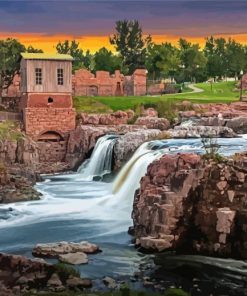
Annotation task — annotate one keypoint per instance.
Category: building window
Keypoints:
(38, 75)
(60, 76)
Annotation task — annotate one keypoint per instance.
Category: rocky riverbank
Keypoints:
(190, 204)
(20, 275)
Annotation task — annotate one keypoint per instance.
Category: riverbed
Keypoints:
(76, 208)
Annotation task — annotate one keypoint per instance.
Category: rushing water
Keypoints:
(74, 208)
(100, 162)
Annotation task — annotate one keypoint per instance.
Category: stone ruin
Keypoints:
(85, 83)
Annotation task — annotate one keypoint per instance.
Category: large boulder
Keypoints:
(127, 144)
(115, 118)
(153, 122)
(74, 258)
(238, 124)
(190, 204)
(16, 184)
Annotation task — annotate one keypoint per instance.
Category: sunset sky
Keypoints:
(44, 23)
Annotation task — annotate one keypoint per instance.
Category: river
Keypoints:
(76, 208)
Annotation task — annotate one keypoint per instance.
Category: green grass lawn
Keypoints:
(222, 92)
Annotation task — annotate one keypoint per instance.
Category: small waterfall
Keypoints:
(100, 162)
(128, 179)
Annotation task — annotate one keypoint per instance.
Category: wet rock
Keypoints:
(19, 275)
(127, 144)
(109, 282)
(83, 139)
(201, 132)
(74, 258)
(74, 282)
(54, 283)
(53, 250)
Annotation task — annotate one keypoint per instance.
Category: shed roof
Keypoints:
(44, 56)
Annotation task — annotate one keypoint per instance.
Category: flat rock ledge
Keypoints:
(74, 258)
(53, 250)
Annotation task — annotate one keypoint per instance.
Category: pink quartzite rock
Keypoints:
(153, 122)
(187, 203)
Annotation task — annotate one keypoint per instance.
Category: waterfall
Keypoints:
(100, 162)
(128, 179)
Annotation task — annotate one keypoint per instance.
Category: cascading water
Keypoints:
(100, 162)
(74, 209)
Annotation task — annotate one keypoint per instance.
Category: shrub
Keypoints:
(64, 271)
(211, 148)
(9, 131)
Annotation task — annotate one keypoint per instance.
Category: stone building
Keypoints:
(46, 102)
(102, 83)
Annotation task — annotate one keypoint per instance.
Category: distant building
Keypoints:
(102, 83)
(46, 100)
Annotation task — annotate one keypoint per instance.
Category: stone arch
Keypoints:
(50, 136)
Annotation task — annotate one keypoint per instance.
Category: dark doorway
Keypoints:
(92, 91)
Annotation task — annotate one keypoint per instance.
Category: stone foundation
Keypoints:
(42, 120)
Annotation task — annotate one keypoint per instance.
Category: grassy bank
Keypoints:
(222, 92)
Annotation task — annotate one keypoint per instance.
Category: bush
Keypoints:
(211, 148)
(9, 131)
(64, 271)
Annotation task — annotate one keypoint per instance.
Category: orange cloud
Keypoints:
(47, 42)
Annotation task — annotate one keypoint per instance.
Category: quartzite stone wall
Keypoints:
(41, 120)
(103, 84)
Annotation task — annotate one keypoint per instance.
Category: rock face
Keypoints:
(191, 205)
(53, 250)
(127, 144)
(16, 184)
(83, 139)
(226, 111)
(201, 132)
(18, 275)
(153, 122)
(116, 118)
(232, 115)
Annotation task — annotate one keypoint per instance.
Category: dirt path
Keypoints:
(195, 89)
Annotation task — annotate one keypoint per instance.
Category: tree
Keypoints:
(153, 56)
(235, 57)
(72, 48)
(105, 60)
(31, 49)
(169, 60)
(10, 56)
(193, 60)
(215, 51)
(129, 42)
